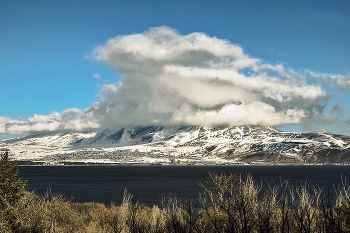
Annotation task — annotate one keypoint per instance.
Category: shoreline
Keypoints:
(31, 163)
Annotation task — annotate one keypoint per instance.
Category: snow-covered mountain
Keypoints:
(188, 145)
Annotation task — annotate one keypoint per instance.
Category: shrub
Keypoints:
(231, 202)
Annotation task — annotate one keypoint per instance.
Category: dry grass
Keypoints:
(231, 203)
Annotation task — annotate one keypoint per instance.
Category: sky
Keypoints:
(80, 65)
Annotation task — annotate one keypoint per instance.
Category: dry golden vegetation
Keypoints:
(230, 203)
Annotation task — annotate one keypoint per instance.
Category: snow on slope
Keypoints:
(187, 143)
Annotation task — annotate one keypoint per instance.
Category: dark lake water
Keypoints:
(149, 184)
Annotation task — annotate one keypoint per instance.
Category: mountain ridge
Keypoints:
(185, 144)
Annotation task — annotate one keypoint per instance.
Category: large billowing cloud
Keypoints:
(198, 80)
(174, 79)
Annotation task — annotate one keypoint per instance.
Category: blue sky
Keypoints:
(45, 46)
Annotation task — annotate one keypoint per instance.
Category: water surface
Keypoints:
(149, 184)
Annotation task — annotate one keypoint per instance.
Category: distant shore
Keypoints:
(79, 163)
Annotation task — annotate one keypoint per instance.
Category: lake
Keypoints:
(149, 184)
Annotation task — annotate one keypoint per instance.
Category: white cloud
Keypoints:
(255, 113)
(174, 79)
(195, 79)
(97, 75)
(69, 119)
(108, 91)
(327, 119)
(338, 110)
(340, 81)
